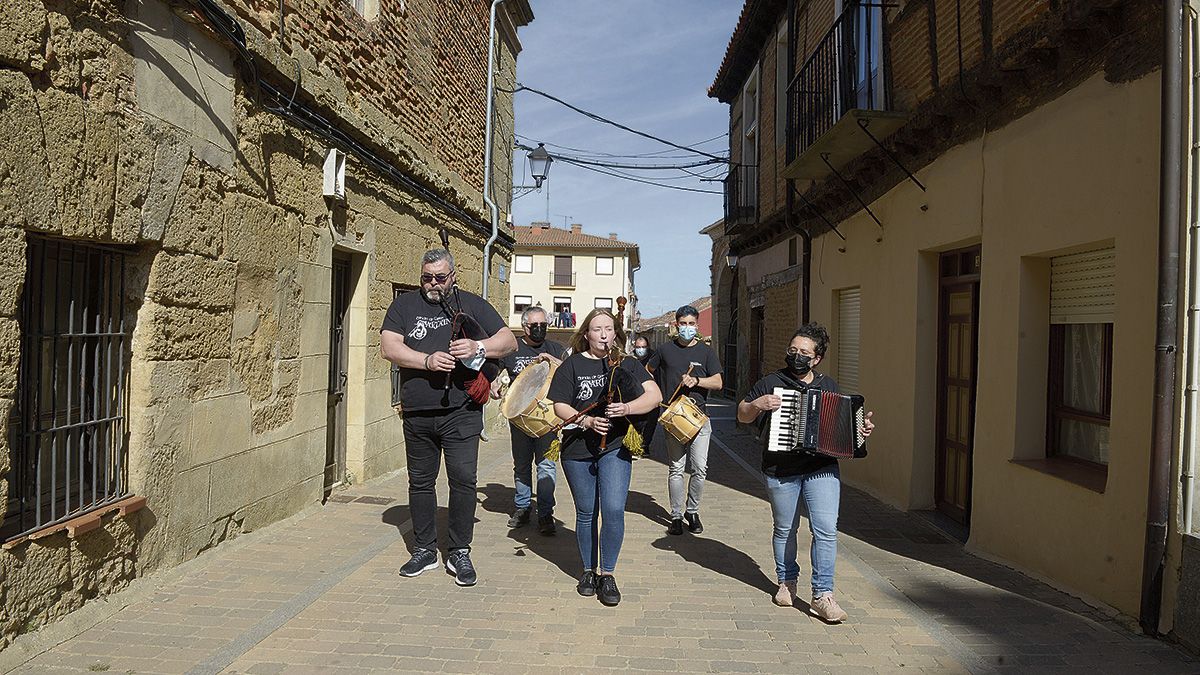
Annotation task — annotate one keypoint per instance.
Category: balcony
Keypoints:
(562, 280)
(741, 196)
(839, 102)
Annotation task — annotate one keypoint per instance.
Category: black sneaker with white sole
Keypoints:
(459, 564)
(422, 560)
(607, 590)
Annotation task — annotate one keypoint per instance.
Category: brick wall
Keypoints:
(782, 322)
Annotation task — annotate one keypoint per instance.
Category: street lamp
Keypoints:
(731, 259)
(539, 164)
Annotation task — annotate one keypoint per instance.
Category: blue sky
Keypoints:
(646, 65)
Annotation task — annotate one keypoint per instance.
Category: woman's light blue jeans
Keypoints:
(600, 488)
(820, 494)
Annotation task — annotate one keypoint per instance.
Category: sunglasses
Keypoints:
(542, 324)
(441, 278)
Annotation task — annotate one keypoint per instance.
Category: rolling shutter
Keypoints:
(1083, 287)
(849, 311)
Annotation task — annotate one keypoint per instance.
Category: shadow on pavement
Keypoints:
(560, 549)
(718, 557)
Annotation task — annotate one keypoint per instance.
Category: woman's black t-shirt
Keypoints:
(780, 464)
(579, 382)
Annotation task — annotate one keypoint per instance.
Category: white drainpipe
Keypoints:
(487, 152)
(1191, 405)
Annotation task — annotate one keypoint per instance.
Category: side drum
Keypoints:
(683, 419)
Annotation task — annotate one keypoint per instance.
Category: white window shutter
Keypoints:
(848, 338)
(1083, 287)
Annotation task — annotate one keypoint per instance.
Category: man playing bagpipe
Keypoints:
(446, 342)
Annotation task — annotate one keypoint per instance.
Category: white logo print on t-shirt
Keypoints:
(424, 325)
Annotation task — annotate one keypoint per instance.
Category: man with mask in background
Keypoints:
(671, 365)
(642, 351)
(526, 451)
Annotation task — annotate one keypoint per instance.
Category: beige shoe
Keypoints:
(825, 607)
(786, 595)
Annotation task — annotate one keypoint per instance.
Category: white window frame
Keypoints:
(597, 304)
(518, 300)
(611, 266)
(518, 268)
(750, 105)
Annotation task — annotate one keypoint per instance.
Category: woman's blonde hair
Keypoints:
(579, 341)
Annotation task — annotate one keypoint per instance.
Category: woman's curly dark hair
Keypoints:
(817, 333)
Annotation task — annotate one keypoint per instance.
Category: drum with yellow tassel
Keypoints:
(526, 405)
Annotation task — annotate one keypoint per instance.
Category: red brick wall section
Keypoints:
(948, 37)
(1009, 16)
(909, 42)
(425, 64)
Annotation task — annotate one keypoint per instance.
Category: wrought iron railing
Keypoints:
(741, 195)
(844, 72)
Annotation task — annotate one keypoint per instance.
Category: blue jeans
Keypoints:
(600, 487)
(820, 493)
(525, 452)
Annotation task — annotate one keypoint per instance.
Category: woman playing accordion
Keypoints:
(800, 478)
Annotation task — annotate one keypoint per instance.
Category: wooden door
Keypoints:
(958, 339)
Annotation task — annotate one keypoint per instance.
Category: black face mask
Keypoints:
(799, 363)
(537, 333)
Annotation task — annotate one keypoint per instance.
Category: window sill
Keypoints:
(92, 520)
(1084, 475)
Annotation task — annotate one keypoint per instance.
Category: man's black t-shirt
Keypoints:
(426, 328)
(780, 464)
(580, 381)
(671, 362)
(514, 363)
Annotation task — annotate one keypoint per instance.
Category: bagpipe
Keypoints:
(463, 325)
(620, 387)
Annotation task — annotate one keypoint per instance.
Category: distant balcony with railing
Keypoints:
(562, 280)
(741, 196)
(838, 103)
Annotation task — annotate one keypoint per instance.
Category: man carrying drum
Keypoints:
(526, 451)
(689, 368)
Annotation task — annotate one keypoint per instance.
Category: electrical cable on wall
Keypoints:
(283, 104)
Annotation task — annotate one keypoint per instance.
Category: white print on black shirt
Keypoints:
(425, 324)
(588, 384)
(523, 361)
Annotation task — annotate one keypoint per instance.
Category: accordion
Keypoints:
(818, 422)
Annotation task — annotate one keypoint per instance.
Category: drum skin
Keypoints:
(683, 419)
(526, 406)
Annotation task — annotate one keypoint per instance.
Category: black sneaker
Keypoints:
(459, 564)
(607, 590)
(546, 525)
(693, 521)
(676, 526)
(520, 518)
(587, 584)
(422, 559)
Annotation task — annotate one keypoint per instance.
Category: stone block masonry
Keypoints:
(215, 205)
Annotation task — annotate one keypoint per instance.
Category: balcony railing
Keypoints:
(844, 73)
(741, 195)
(562, 280)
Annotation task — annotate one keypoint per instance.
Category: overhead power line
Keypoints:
(658, 154)
(639, 180)
(605, 120)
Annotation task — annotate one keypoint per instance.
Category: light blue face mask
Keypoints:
(687, 333)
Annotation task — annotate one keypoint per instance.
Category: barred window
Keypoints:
(68, 428)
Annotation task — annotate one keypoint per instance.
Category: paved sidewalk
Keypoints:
(320, 594)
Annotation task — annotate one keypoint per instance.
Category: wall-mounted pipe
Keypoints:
(487, 150)
(1170, 198)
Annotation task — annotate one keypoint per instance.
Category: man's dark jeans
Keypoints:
(427, 434)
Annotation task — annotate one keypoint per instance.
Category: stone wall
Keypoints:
(105, 137)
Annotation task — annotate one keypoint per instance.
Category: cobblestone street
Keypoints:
(320, 593)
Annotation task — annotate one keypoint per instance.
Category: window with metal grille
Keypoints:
(68, 428)
(397, 289)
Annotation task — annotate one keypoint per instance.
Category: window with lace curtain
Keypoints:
(1081, 348)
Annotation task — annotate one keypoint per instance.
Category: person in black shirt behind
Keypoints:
(641, 350)
(797, 477)
(439, 416)
(671, 365)
(533, 346)
(599, 476)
